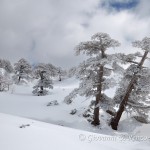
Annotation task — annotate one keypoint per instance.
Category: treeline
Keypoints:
(22, 72)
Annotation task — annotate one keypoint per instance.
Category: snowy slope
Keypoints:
(19, 101)
(36, 135)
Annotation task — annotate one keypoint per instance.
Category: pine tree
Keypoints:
(61, 73)
(134, 88)
(42, 73)
(53, 71)
(56, 71)
(71, 72)
(5, 80)
(5, 64)
(22, 70)
(95, 72)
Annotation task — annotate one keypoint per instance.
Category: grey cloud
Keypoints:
(143, 9)
(48, 30)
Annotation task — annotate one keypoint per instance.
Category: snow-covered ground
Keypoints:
(25, 134)
(19, 101)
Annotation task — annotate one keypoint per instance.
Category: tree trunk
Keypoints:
(42, 78)
(96, 120)
(19, 79)
(41, 89)
(114, 122)
(0, 87)
(59, 77)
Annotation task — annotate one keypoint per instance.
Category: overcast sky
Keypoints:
(48, 30)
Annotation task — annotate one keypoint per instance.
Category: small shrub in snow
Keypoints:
(141, 119)
(53, 103)
(39, 92)
(74, 111)
(24, 125)
(67, 100)
(88, 113)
